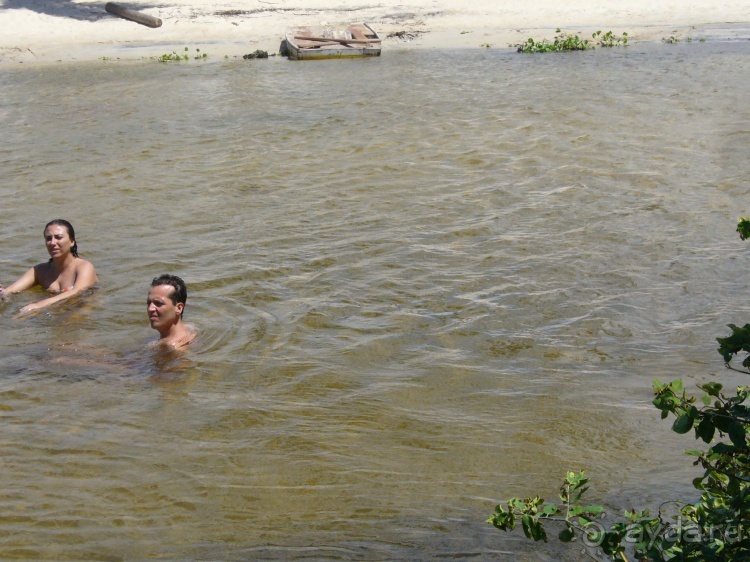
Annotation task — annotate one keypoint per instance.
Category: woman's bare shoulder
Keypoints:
(82, 264)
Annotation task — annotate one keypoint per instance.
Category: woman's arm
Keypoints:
(85, 278)
(26, 281)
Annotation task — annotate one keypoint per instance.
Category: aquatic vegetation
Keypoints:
(257, 54)
(566, 42)
(743, 227)
(173, 56)
(609, 39)
(486, 45)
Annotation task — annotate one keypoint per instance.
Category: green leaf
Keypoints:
(737, 433)
(721, 423)
(705, 429)
(711, 388)
(526, 522)
(550, 509)
(533, 529)
(567, 534)
(683, 424)
(743, 227)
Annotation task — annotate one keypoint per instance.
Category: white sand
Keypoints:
(51, 30)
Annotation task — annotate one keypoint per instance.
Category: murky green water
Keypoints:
(423, 283)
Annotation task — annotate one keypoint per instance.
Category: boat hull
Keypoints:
(330, 42)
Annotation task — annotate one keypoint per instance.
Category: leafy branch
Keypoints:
(710, 529)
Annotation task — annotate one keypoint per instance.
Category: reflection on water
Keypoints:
(423, 283)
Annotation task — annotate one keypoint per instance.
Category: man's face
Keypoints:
(162, 312)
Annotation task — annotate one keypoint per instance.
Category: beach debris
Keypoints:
(257, 54)
(405, 35)
(132, 15)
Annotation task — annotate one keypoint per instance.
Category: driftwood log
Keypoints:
(132, 15)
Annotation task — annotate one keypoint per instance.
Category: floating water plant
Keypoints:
(173, 56)
(609, 39)
(567, 42)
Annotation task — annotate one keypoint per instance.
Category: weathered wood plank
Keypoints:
(132, 15)
(343, 41)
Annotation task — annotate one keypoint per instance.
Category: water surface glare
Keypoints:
(423, 283)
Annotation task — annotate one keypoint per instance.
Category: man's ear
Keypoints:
(179, 306)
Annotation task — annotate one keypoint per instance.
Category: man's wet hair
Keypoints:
(180, 290)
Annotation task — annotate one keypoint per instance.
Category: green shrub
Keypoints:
(716, 528)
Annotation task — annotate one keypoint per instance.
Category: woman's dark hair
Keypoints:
(180, 290)
(71, 233)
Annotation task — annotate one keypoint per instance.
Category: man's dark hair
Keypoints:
(180, 290)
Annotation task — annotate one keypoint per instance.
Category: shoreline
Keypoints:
(70, 31)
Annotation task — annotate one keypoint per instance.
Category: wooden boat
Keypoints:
(332, 42)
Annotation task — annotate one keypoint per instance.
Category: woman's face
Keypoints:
(58, 241)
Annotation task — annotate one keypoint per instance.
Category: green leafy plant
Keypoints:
(733, 344)
(739, 340)
(174, 57)
(711, 529)
(715, 528)
(609, 39)
(566, 42)
(743, 227)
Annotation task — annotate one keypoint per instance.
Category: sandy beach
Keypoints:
(70, 30)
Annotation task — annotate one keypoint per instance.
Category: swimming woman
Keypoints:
(63, 276)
